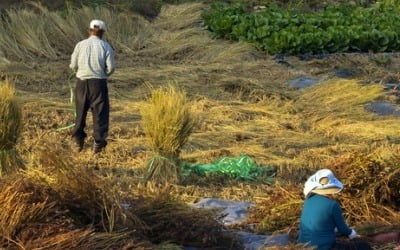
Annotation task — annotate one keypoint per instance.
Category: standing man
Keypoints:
(93, 61)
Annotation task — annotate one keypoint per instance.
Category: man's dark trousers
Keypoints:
(93, 94)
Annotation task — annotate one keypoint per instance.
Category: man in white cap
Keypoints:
(93, 61)
(322, 215)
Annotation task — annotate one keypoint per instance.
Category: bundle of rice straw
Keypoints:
(10, 127)
(372, 183)
(167, 122)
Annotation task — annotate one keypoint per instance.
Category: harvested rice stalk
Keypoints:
(33, 216)
(17, 210)
(89, 199)
(371, 194)
(172, 221)
(372, 184)
(280, 212)
(358, 211)
(167, 122)
(64, 214)
(10, 127)
(54, 237)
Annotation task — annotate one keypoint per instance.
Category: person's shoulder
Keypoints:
(107, 44)
(322, 198)
(82, 42)
(333, 204)
(85, 40)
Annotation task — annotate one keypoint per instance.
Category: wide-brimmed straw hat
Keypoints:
(323, 182)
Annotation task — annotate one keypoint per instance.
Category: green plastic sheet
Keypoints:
(241, 168)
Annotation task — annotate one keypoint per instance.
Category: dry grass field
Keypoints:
(244, 105)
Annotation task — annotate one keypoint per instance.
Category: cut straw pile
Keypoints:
(372, 184)
(10, 127)
(167, 122)
(55, 205)
(370, 195)
(36, 214)
(280, 212)
(171, 220)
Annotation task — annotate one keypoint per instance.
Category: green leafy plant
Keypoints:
(340, 28)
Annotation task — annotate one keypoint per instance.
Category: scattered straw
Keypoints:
(38, 32)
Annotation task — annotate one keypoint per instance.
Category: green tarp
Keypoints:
(241, 168)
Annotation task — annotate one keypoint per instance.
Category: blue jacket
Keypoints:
(318, 220)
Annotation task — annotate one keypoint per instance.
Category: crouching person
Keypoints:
(322, 215)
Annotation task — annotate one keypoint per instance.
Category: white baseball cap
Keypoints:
(330, 185)
(98, 24)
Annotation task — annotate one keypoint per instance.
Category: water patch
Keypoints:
(344, 73)
(255, 241)
(235, 212)
(383, 108)
(304, 82)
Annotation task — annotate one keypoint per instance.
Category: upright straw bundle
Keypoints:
(10, 127)
(167, 122)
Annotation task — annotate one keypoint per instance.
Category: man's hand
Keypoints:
(71, 74)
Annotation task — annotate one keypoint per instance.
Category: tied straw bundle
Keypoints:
(167, 122)
(10, 127)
